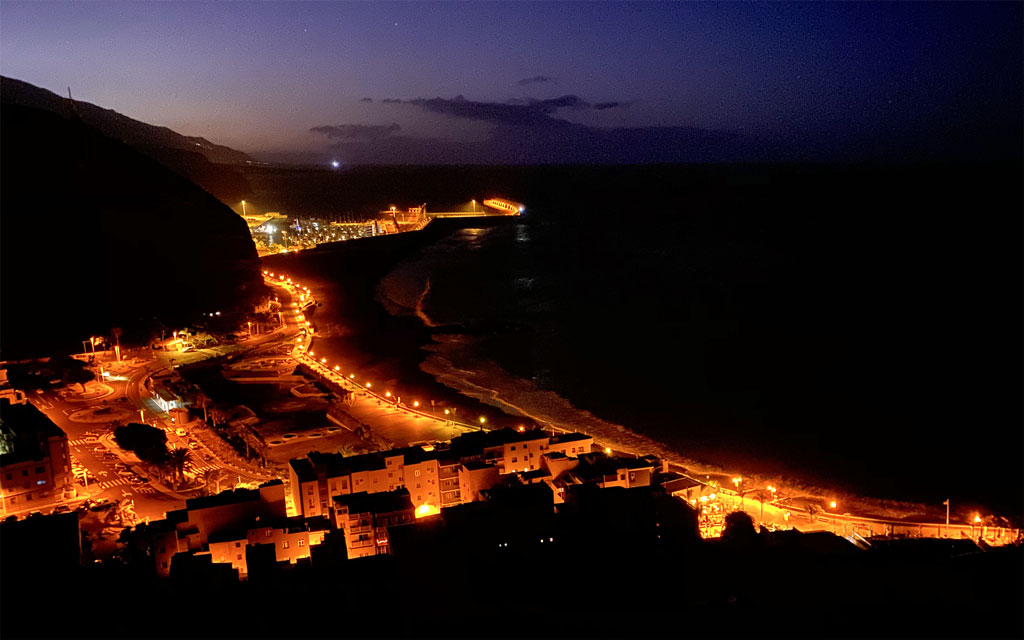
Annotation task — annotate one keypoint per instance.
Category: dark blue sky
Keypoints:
(290, 80)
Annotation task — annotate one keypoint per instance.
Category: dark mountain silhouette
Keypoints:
(198, 159)
(95, 234)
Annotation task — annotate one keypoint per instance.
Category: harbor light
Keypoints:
(977, 518)
(387, 394)
(608, 450)
(367, 385)
(352, 376)
(483, 420)
(446, 412)
(337, 367)
(323, 360)
(832, 504)
(415, 403)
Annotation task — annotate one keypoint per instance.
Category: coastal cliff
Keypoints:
(95, 234)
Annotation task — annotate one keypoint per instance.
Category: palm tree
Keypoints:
(203, 401)
(213, 478)
(347, 450)
(176, 459)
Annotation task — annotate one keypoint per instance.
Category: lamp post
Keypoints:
(243, 208)
(474, 206)
(947, 516)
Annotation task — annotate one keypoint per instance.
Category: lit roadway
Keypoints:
(403, 424)
(85, 418)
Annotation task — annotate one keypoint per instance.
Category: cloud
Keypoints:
(535, 80)
(601, 106)
(530, 113)
(366, 100)
(356, 132)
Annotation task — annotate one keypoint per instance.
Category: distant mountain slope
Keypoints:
(115, 125)
(198, 159)
(94, 234)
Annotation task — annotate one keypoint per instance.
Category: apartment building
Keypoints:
(35, 462)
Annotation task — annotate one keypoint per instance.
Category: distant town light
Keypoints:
(352, 376)
(446, 412)
(387, 394)
(415, 403)
(608, 450)
(482, 419)
(832, 504)
(337, 367)
(368, 385)
(335, 164)
(977, 518)
(324, 360)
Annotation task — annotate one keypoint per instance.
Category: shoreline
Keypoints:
(396, 350)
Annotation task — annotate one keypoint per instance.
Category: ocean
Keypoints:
(851, 328)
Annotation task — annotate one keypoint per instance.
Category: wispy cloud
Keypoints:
(525, 113)
(534, 80)
(356, 132)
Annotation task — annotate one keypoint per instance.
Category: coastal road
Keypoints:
(402, 425)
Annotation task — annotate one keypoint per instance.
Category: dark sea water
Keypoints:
(857, 328)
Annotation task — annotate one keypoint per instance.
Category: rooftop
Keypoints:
(381, 502)
(24, 431)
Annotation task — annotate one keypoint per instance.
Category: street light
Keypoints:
(243, 211)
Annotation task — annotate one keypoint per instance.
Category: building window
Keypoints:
(238, 556)
(10, 475)
(513, 447)
(238, 544)
(417, 485)
(39, 469)
(416, 473)
(268, 532)
(309, 490)
(24, 473)
(163, 565)
(515, 459)
(284, 545)
(302, 543)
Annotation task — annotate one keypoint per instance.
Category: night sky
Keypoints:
(453, 81)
